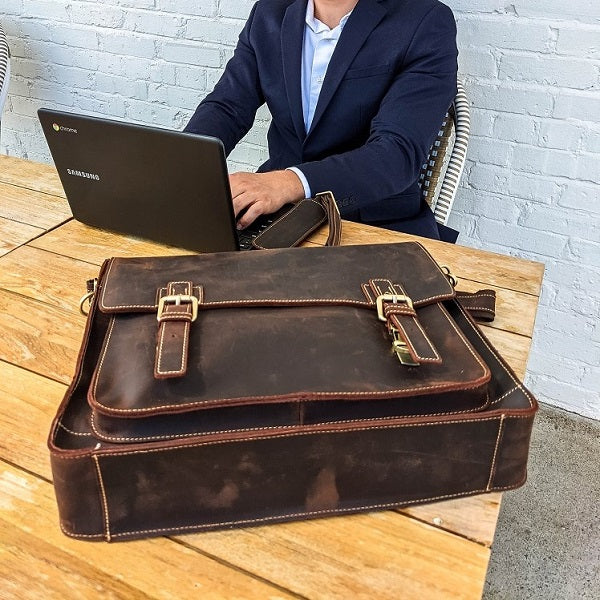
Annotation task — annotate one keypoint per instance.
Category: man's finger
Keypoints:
(254, 211)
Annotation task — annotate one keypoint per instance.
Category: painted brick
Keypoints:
(578, 10)
(580, 106)
(202, 8)
(482, 122)
(535, 188)
(76, 38)
(151, 22)
(226, 32)
(586, 251)
(239, 9)
(511, 98)
(515, 128)
(554, 219)
(562, 135)
(119, 43)
(546, 70)
(478, 62)
(544, 161)
(588, 168)
(579, 41)
(191, 54)
(503, 31)
(12, 7)
(591, 140)
(47, 9)
(491, 151)
(581, 196)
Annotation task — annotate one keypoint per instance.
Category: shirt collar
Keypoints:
(316, 25)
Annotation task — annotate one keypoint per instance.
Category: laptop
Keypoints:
(156, 184)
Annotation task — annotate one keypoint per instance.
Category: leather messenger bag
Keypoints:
(245, 388)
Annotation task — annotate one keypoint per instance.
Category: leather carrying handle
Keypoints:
(327, 201)
(300, 221)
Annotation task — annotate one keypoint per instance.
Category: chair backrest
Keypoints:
(4, 68)
(440, 175)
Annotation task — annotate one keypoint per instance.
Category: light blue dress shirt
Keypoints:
(318, 46)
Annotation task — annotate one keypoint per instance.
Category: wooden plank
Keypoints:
(474, 517)
(513, 348)
(157, 568)
(29, 402)
(38, 177)
(32, 208)
(33, 568)
(477, 265)
(13, 234)
(377, 555)
(515, 311)
(39, 337)
(81, 242)
(51, 278)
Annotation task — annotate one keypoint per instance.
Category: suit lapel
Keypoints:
(364, 18)
(292, 35)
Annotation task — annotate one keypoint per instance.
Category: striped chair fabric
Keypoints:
(440, 175)
(4, 68)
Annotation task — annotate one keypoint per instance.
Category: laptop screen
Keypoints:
(161, 185)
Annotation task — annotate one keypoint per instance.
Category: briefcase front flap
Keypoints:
(350, 323)
(336, 275)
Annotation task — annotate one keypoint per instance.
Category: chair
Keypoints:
(440, 175)
(4, 69)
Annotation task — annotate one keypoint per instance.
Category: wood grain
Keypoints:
(32, 208)
(85, 243)
(474, 517)
(50, 278)
(35, 176)
(29, 402)
(514, 349)
(13, 234)
(39, 337)
(477, 265)
(377, 555)
(157, 568)
(515, 311)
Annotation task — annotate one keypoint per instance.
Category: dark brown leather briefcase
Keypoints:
(245, 388)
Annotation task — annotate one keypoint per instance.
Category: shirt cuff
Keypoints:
(303, 180)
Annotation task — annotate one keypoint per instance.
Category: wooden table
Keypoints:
(439, 550)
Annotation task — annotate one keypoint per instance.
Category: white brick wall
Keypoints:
(532, 183)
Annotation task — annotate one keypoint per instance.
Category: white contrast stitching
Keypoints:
(73, 432)
(103, 500)
(493, 465)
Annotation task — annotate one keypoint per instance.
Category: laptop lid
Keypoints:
(161, 185)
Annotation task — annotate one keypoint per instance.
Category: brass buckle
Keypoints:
(401, 349)
(177, 300)
(395, 299)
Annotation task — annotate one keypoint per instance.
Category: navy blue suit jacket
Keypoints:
(390, 81)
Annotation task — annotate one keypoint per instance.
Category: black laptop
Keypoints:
(157, 184)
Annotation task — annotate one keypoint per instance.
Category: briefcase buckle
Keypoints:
(177, 299)
(395, 299)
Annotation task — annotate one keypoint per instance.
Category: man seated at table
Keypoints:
(357, 90)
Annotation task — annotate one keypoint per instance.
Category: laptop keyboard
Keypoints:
(246, 236)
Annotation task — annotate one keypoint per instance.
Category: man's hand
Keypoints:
(263, 193)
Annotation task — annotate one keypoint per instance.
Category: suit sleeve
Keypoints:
(405, 125)
(228, 112)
